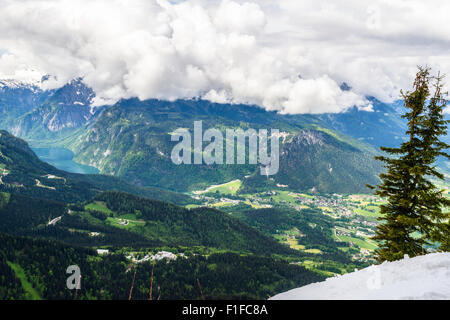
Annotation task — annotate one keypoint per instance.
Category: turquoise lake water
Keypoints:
(62, 159)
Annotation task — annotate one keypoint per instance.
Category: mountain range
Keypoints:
(131, 139)
(296, 227)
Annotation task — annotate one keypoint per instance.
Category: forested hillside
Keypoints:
(132, 139)
(22, 172)
(43, 267)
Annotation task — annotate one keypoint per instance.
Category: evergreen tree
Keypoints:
(444, 234)
(435, 126)
(413, 215)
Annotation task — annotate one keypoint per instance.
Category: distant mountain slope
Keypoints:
(17, 98)
(317, 161)
(419, 278)
(63, 111)
(384, 126)
(132, 140)
(381, 127)
(22, 172)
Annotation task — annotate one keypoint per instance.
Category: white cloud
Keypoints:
(229, 51)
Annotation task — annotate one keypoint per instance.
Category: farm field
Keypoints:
(354, 215)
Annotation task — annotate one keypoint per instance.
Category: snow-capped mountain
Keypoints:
(68, 107)
(15, 84)
(18, 97)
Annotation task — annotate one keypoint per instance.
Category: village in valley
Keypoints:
(354, 215)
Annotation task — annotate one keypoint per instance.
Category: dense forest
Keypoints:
(200, 226)
(222, 276)
(159, 223)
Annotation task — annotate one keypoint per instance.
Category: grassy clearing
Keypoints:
(293, 243)
(125, 223)
(364, 244)
(284, 196)
(308, 264)
(289, 237)
(98, 206)
(367, 213)
(314, 251)
(26, 285)
(253, 205)
(227, 188)
(192, 206)
(128, 216)
(312, 265)
(222, 204)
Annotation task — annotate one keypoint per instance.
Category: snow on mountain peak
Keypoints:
(15, 84)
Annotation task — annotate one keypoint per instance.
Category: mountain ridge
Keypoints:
(24, 173)
(130, 138)
(134, 137)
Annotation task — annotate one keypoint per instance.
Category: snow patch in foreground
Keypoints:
(422, 277)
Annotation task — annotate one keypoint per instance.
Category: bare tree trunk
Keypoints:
(200, 287)
(132, 285)
(151, 284)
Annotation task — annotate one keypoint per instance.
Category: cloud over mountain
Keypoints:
(287, 55)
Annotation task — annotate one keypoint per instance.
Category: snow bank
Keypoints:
(423, 277)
